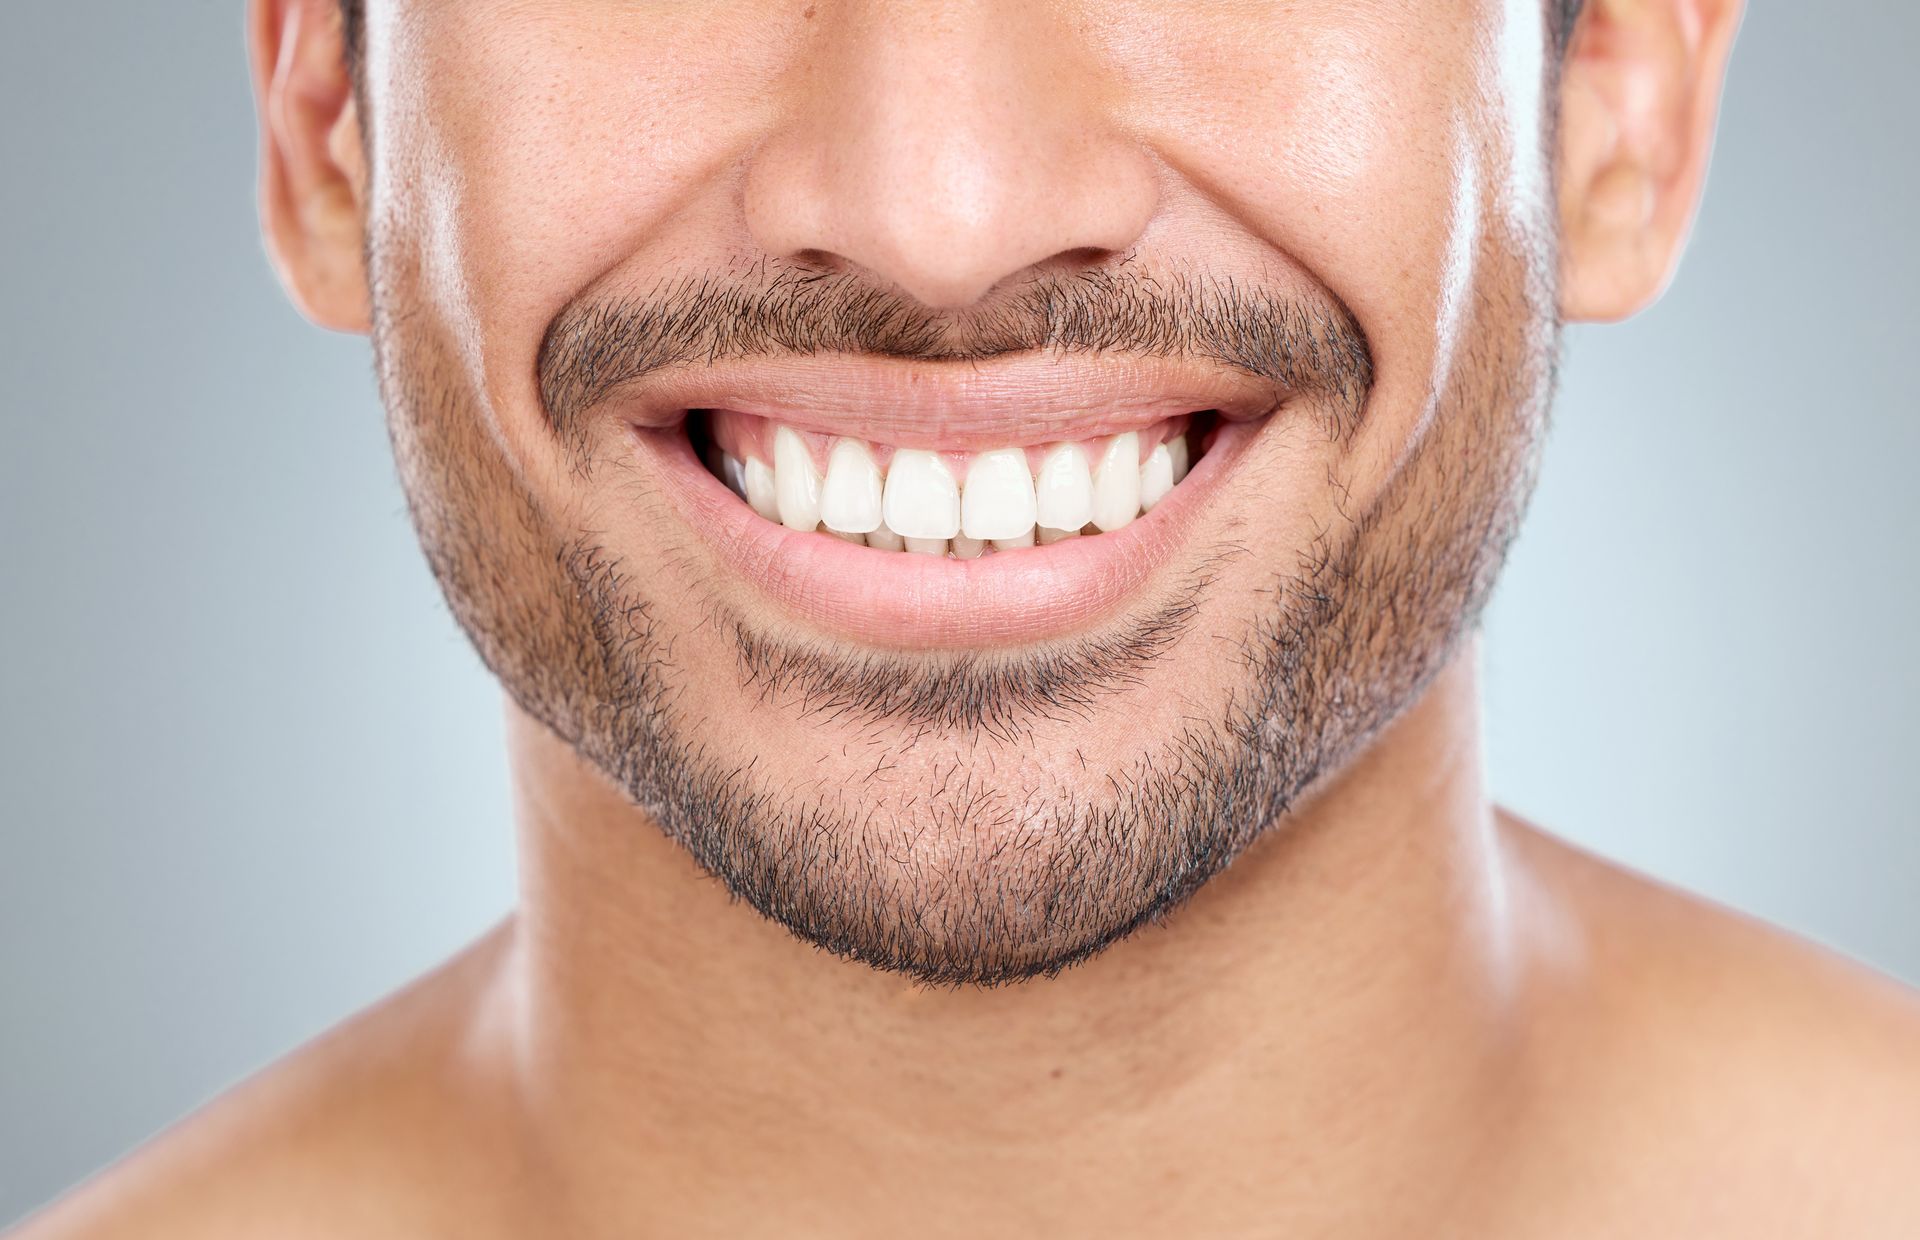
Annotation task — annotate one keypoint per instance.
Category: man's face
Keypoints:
(1309, 244)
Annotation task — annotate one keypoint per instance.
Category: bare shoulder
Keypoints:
(1747, 1081)
(333, 1140)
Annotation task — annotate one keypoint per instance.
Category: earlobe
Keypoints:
(1639, 98)
(312, 170)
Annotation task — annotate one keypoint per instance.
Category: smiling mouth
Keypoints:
(960, 504)
(896, 503)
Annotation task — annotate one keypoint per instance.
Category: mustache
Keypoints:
(599, 345)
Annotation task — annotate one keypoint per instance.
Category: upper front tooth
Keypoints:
(998, 501)
(1156, 477)
(796, 484)
(850, 497)
(921, 499)
(1063, 490)
(1116, 483)
(761, 491)
(1177, 449)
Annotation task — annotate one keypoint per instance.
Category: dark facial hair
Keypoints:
(1028, 880)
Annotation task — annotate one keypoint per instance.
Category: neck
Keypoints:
(1329, 1018)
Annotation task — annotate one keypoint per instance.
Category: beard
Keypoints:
(969, 865)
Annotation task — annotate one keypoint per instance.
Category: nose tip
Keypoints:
(948, 157)
(948, 225)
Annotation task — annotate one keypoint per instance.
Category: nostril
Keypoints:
(1079, 258)
(942, 194)
(826, 261)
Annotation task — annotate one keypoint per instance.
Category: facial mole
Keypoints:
(808, 14)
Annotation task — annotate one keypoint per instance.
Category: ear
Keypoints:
(1639, 96)
(313, 174)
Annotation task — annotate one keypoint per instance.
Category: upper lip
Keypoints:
(957, 405)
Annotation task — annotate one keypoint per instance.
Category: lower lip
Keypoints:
(908, 601)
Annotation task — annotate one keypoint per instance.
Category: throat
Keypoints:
(1333, 1014)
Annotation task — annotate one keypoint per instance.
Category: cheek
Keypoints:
(1362, 142)
(1332, 129)
(533, 148)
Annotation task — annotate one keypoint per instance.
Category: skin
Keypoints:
(1399, 1010)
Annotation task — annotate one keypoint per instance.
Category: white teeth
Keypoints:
(922, 500)
(734, 474)
(998, 501)
(796, 484)
(1156, 477)
(1116, 483)
(850, 497)
(1063, 490)
(761, 491)
(917, 505)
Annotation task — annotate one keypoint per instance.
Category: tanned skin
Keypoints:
(1195, 920)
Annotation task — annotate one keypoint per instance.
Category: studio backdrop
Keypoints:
(251, 775)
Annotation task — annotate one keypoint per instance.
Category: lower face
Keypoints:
(966, 655)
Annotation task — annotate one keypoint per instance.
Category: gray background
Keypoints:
(252, 775)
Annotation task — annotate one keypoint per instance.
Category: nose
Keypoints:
(946, 145)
